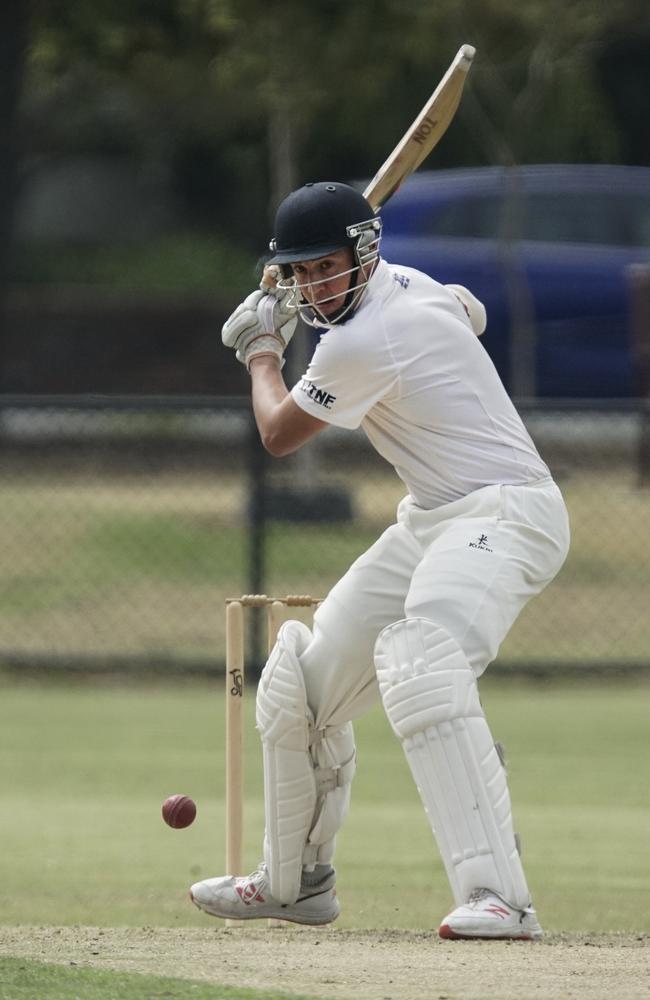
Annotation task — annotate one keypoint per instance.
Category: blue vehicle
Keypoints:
(548, 250)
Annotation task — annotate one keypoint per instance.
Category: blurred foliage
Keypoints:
(199, 88)
(186, 262)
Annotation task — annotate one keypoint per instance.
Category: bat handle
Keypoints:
(466, 53)
(270, 277)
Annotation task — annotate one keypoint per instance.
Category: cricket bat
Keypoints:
(426, 131)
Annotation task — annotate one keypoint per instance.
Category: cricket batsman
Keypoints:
(417, 618)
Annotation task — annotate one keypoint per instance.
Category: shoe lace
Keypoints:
(478, 894)
(259, 874)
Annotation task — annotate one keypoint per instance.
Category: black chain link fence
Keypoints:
(126, 522)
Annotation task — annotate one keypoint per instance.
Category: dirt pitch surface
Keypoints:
(356, 965)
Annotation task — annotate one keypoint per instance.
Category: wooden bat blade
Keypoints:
(425, 132)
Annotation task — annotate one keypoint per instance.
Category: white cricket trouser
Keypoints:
(469, 566)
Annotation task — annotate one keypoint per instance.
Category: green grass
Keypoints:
(85, 769)
(25, 980)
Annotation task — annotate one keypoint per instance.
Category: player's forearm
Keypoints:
(284, 427)
(279, 435)
(268, 390)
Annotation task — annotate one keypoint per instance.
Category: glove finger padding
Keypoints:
(242, 321)
(256, 342)
(286, 308)
(264, 323)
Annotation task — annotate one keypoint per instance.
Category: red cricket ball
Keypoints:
(178, 811)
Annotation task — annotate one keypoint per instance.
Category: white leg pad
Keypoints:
(307, 772)
(431, 698)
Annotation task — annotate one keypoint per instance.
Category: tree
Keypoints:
(623, 73)
(242, 99)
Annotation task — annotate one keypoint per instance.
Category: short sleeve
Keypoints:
(350, 371)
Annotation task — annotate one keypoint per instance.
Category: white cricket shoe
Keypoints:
(248, 898)
(486, 915)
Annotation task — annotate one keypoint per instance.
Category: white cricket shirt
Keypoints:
(409, 370)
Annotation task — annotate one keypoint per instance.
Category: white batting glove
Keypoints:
(264, 323)
(475, 310)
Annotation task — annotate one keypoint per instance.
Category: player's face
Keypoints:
(326, 281)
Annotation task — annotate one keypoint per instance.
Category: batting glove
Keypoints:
(264, 323)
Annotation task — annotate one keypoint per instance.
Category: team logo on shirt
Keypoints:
(401, 279)
(320, 396)
(481, 543)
